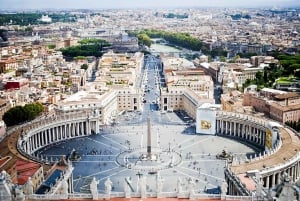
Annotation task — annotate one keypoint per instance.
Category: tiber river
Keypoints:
(156, 47)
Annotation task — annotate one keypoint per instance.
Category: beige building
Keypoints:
(129, 99)
(104, 103)
(232, 75)
(232, 102)
(186, 86)
(280, 107)
(26, 172)
(183, 98)
(113, 90)
(108, 103)
(8, 65)
(121, 69)
(258, 60)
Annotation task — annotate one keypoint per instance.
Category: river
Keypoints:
(156, 47)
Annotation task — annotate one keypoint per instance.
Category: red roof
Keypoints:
(250, 184)
(25, 169)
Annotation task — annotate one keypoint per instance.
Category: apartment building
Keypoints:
(280, 107)
(121, 69)
(258, 60)
(187, 87)
(28, 172)
(232, 101)
(8, 65)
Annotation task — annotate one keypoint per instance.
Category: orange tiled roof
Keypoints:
(25, 169)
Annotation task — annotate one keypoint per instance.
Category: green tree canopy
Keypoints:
(144, 39)
(84, 66)
(87, 47)
(21, 114)
(184, 40)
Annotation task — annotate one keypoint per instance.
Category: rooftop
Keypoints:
(289, 148)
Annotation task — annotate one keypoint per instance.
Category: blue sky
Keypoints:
(98, 4)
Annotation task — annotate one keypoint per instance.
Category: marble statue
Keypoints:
(108, 186)
(28, 187)
(64, 187)
(94, 189)
(259, 185)
(127, 181)
(142, 185)
(191, 187)
(179, 185)
(159, 186)
(224, 187)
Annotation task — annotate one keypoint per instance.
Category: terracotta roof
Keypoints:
(285, 108)
(250, 184)
(25, 170)
(287, 95)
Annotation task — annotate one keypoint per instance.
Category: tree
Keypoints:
(259, 77)
(222, 59)
(184, 40)
(144, 39)
(84, 66)
(21, 114)
(265, 75)
(51, 46)
(87, 47)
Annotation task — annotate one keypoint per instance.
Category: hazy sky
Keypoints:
(96, 4)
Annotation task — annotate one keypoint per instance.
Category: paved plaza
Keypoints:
(116, 152)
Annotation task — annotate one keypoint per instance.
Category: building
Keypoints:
(46, 19)
(8, 65)
(232, 101)
(28, 172)
(258, 60)
(121, 69)
(206, 118)
(186, 88)
(16, 84)
(281, 107)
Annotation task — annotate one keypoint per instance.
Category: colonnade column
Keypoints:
(273, 180)
(278, 177)
(267, 181)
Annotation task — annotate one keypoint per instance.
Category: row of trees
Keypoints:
(25, 19)
(290, 64)
(87, 47)
(178, 16)
(20, 114)
(184, 40)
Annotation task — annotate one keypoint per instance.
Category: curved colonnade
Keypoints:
(55, 129)
(283, 157)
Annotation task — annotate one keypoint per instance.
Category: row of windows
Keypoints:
(124, 92)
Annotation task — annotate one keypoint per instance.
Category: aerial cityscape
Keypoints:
(149, 100)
